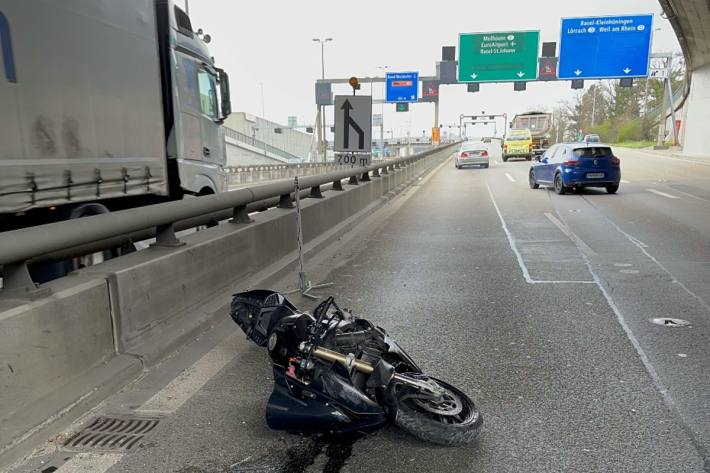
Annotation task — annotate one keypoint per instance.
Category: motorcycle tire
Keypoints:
(430, 427)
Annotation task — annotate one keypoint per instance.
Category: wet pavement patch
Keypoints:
(325, 454)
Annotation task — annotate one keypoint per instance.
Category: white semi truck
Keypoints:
(105, 105)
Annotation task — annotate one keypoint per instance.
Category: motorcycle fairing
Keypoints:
(328, 404)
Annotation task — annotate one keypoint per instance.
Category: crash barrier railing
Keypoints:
(250, 175)
(67, 239)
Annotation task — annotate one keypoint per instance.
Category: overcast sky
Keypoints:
(270, 42)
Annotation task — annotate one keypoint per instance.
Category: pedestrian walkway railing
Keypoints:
(261, 145)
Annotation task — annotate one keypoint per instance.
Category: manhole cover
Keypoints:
(112, 433)
(670, 322)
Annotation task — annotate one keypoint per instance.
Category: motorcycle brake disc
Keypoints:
(448, 405)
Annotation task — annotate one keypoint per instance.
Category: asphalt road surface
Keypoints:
(539, 306)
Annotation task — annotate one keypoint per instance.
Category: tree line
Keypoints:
(615, 113)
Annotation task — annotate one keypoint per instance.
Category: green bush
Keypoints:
(630, 130)
(605, 130)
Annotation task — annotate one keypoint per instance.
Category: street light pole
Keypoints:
(322, 122)
(382, 112)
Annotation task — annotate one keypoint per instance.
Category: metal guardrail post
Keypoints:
(285, 202)
(165, 236)
(385, 169)
(365, 176)
(353, 180)
(338, 185)
(17, 283)
(241, 215)
(315, 193)
(376, 172)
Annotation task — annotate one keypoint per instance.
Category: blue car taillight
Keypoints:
(571, 163)
(615, 162)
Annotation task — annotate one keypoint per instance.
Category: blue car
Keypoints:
(567, 166)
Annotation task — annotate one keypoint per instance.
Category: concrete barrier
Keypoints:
(46, 347)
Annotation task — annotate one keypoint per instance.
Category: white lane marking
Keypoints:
(179, 390)
(629, 334)
(563, 228)
(510, 178)
(518, 256)
(642, 246)
(624, 181)
(90, 463)
(662, 194)
(701, 199)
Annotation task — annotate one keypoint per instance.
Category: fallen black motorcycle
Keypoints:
(335, 373)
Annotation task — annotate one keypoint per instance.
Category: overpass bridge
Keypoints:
(690, 21)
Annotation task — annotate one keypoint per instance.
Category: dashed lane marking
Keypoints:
(662, 194)
(516, 252)
(510, 178)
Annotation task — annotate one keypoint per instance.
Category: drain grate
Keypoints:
(112, 433)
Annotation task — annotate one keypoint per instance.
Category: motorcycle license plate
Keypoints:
(595, 175)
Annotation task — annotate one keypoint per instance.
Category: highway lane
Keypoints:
(538, 305)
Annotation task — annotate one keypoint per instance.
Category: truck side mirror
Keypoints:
(225, 99)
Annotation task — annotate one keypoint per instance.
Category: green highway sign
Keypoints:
(498, 57)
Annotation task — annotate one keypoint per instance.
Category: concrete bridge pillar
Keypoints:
(696, 139)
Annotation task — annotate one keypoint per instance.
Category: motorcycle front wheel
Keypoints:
(454, 420)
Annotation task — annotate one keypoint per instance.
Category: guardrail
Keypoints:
(61, 240)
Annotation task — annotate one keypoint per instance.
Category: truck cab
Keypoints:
(200, 96)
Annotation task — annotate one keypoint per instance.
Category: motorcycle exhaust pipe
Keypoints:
(329, 355)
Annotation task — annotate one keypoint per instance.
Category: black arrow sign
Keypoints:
(349, 122)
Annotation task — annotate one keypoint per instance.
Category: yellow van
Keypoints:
(518, 144)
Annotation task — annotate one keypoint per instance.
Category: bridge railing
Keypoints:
(67, 239)
(261, 145)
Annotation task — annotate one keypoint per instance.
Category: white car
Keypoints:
(472, 153)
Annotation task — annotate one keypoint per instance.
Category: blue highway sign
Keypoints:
(402, 86)
(605, 47)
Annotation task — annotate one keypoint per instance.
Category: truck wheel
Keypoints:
(505, 159)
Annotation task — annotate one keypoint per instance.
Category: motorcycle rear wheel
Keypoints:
(459, 429)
